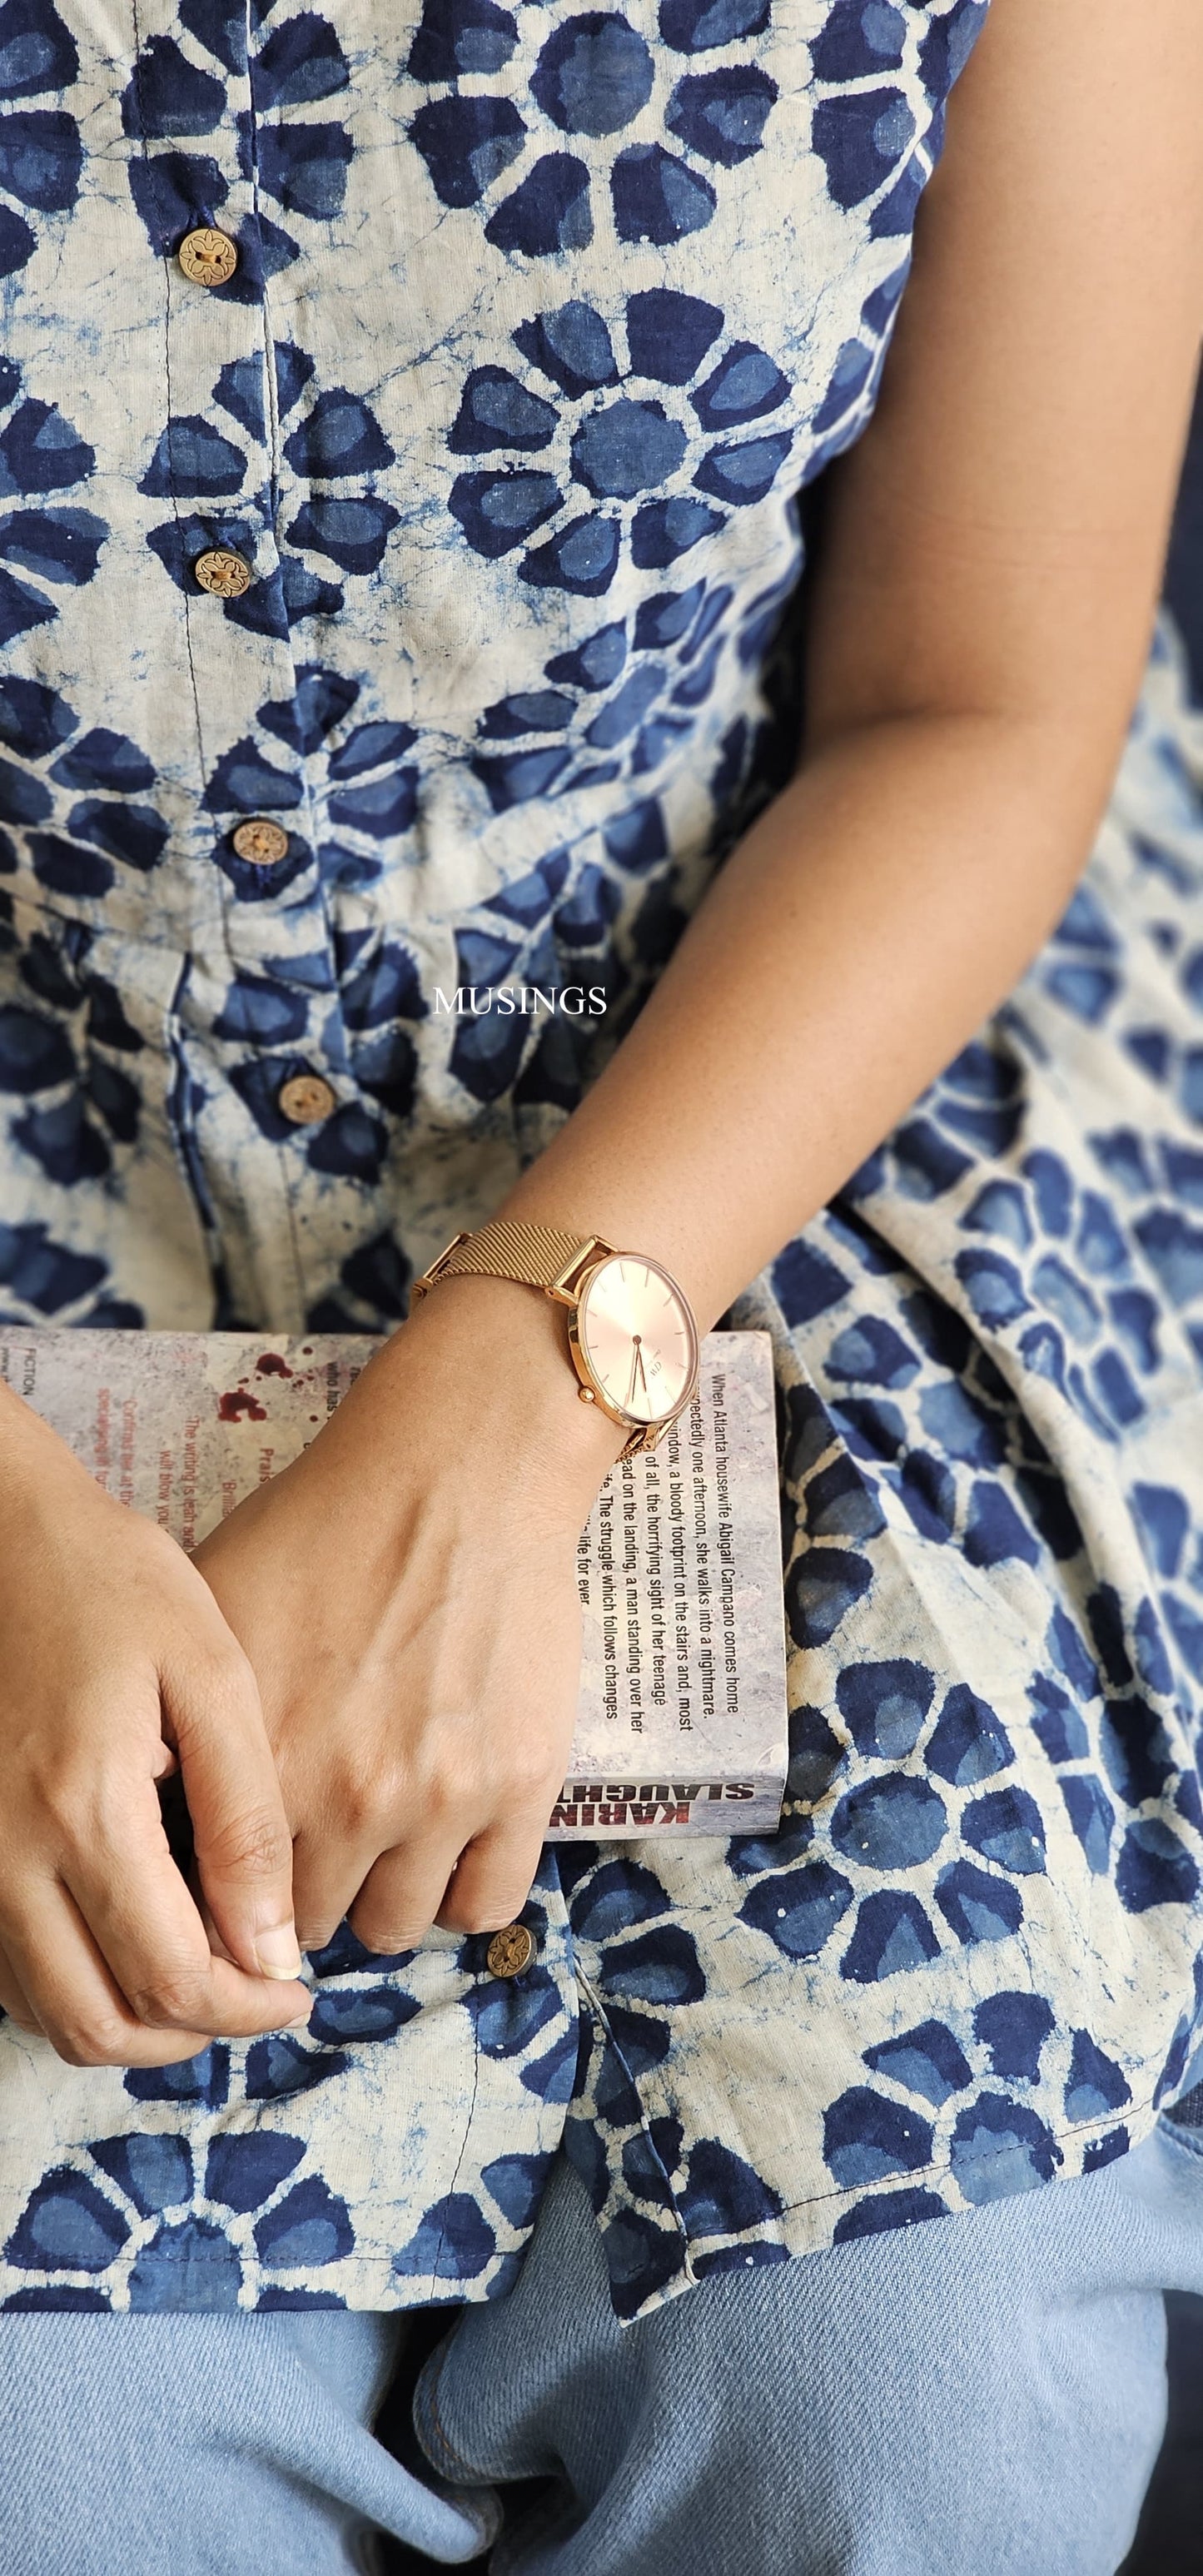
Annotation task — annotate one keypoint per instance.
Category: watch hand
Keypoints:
(642, 1370)
(635, 1363)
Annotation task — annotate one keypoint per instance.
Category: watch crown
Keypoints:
(586, 1395)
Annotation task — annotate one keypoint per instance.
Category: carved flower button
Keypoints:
(222, 573)
(208, 256)
(510, 1951)
(261, 841)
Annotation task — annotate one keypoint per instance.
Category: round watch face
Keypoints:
(637, 1336)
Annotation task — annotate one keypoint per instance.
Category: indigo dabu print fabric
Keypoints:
(542, 317)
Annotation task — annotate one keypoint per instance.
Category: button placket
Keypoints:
(215, 379)
(183, 435)
(221, 546)
(216, 370)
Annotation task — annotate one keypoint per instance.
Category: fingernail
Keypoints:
(277, 1952)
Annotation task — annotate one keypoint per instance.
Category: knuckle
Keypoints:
(531, 1780)
(98, 2041)
(371, 1801)
(88, 1803)
(492, 1914)
(254, 1845)
(388, 1940)
(75, 1800)
(216, 1689)
(234, 1686)
(221, 1666)
(170, 2000)
(452, 1792)
(494, 1902)
(359, 1807)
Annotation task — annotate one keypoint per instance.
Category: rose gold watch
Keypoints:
(631, 1332)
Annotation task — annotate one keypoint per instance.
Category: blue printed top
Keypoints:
(449, 539)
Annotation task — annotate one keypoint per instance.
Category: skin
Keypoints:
(368, 1675)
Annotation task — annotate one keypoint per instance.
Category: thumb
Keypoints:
(242, 1843)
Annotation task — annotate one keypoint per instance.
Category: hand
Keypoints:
(406, 1594)
(118, 1667)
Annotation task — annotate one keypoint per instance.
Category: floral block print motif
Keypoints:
(542, 318)
(599, 111)
(212, 2189)
(633, 448)
(329, 437)
(43, 539)
(41, 154)
(192, 82)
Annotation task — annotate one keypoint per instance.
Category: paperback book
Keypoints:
(681, 1722)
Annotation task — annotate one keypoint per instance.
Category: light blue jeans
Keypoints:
(982, 2395)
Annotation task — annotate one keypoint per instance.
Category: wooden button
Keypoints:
(511, 1951)
(222, 573)
(262, 841)
(207, 256)
(304, 1099)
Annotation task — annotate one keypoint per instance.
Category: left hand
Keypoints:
(406, 1595)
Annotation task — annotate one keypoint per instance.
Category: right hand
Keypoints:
(117, 1668)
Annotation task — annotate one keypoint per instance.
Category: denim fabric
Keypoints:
(985, 2398)
(985, 2395)
(207, 2446)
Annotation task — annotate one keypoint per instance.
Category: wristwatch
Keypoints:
(632, 1337)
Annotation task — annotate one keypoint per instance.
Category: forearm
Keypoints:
(979, 612)
(875, 914)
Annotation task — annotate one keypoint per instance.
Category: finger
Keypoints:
(400, 1897)
(149, 1932)
(328, 1871)
(212, 1935)
(83, 2012)
(14, 2000)
(494, 1877)
(242, 1842)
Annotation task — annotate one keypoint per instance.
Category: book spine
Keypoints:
(594, 1810)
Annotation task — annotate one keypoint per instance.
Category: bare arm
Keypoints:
(982, 616)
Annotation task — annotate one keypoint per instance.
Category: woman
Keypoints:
(405, 427)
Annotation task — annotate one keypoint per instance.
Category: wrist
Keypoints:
(512, 1358)
(637, 1211)
(480, 1379)
(34, 1459)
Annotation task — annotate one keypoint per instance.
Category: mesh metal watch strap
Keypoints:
(536, 1256)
